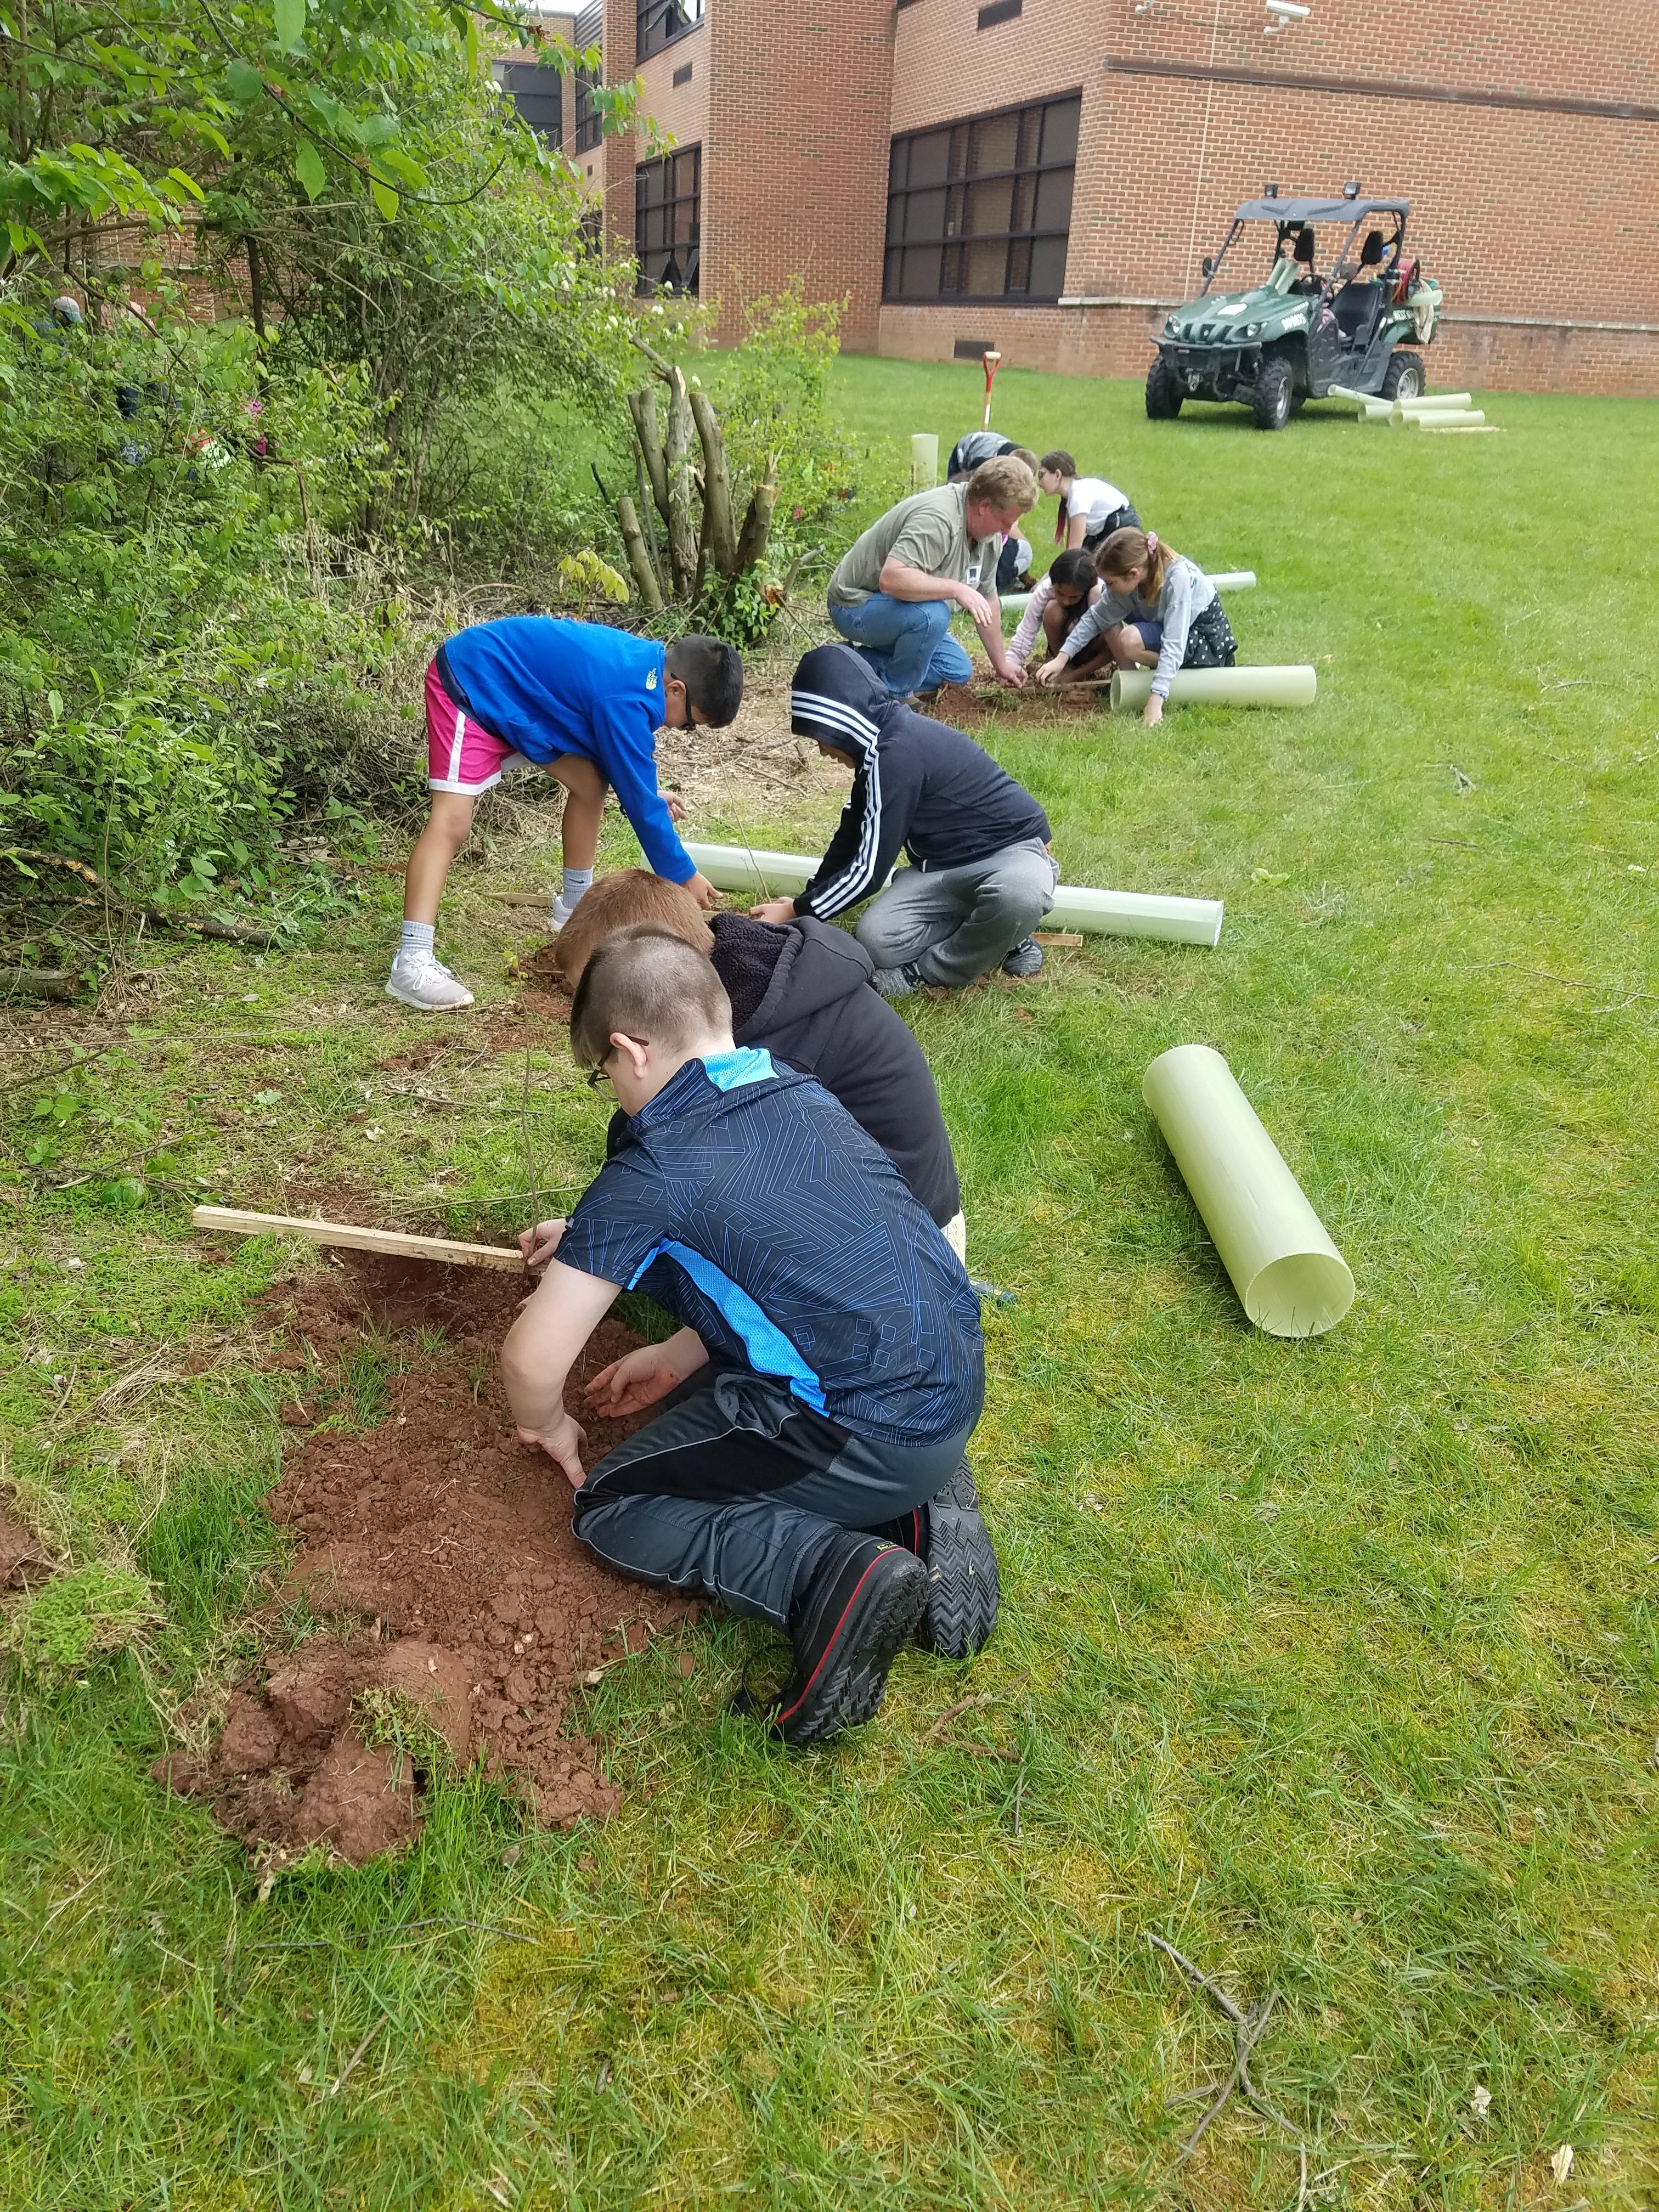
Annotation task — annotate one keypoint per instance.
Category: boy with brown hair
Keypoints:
(829, 1373)
(801, 990)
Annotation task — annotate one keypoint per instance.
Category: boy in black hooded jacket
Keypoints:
(981, 875)
(801, 991)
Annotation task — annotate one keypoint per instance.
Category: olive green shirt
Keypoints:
(929, 531)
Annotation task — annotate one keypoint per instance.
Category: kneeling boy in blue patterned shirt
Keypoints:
(806, 1466)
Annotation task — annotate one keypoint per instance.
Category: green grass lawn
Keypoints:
(1333, 1663)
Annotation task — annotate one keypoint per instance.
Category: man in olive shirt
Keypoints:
(893, 593)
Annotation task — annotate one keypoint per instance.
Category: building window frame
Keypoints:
(659, 24)
(590, 125)
(938, 251)
(668, 221)
(548, 85)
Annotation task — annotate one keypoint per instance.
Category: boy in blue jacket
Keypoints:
(583, 703)
(804, 1460)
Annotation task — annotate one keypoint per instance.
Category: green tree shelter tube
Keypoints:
(1219, 687)
(1291, 1278)
(924, 460)
(1100, 914)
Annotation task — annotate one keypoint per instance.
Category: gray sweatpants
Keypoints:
(956, 923)
(733, 1490)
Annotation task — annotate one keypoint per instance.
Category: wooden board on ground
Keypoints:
(397, 1244)
(1057, 937)
(543, 899)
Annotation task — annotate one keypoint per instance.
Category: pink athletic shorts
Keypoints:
(461, 755)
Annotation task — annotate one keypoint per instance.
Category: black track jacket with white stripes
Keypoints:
(918, 784)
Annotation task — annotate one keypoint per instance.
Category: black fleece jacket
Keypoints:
(918, 784)
(802, 991)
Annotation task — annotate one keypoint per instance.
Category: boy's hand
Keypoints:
(1152, 713)
(700, 889)
(676, 805)
(540, 1243)
(641, 1378)
(778, 909)
(562, 1439)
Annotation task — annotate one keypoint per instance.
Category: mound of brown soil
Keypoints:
(437, 1549)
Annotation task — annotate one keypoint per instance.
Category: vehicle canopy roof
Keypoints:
(1282, 210)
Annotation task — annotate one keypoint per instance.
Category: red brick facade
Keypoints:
(1533, 204)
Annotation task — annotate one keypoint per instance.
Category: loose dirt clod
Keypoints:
(438, 1560)
(22, 1560)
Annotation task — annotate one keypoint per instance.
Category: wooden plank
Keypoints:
(397, 1243)
(543, 899)
(1058, 936)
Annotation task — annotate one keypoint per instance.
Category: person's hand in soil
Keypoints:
(540, 1243)
(641, 1378)
(1053, 671)
(701, 889)
(562, 1439)
(778, 909)
(1152, 713)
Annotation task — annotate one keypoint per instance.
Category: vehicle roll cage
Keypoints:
(1291, 225)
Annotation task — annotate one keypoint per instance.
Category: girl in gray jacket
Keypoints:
(1155, 610)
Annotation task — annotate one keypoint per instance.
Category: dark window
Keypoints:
(658, 23)
(682, 76)
(973, 348)
(538, 95)
(589, 128)
(666, 232)
(593, 233)
(589, 30)
(982, 209)
(998, 11)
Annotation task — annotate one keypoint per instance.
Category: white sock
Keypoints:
(576, 881)
(416, 938)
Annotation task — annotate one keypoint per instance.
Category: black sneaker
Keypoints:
(856, 1615)
(1024, 958)
(950, 1538)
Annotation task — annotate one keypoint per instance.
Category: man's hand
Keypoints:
(540, 1243)
(1052, 671)
(1012, 676)
(677, 807)
(562, 1439)
(641, 1378)
(1152, 713)
(701, 889)
(981, 612)
(777, 910)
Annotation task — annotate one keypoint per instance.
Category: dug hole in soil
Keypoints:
(439, 1551)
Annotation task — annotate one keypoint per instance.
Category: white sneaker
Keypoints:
(420, 980)
(562, 913)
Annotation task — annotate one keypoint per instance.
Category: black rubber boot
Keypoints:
(950, 1538)
(856, 1613)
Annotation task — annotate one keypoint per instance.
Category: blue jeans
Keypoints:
(908, 642)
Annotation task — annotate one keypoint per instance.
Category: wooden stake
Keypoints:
(397, 1244)
(1057, 937)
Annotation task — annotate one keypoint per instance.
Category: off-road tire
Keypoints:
(1164, 392)
(1403, 377)
(1275, 388)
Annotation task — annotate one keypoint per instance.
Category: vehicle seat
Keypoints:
(1358, 306)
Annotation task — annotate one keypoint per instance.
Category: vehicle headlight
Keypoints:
(1169, 327)
(1252, 330)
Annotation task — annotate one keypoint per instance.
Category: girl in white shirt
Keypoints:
(1090, 509)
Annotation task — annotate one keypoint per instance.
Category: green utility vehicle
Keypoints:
(1295, 335)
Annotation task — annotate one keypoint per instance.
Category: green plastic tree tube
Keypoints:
(1219, 687)
(924, 460)
(1442, 418)
(1291, 1278)
(1425, 403)
(1100, 914)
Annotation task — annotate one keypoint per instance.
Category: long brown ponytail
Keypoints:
(1126, 550)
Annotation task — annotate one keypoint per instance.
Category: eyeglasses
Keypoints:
(598, 1075)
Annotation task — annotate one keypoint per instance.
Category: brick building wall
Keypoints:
(795, 163)
(1536, 217)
